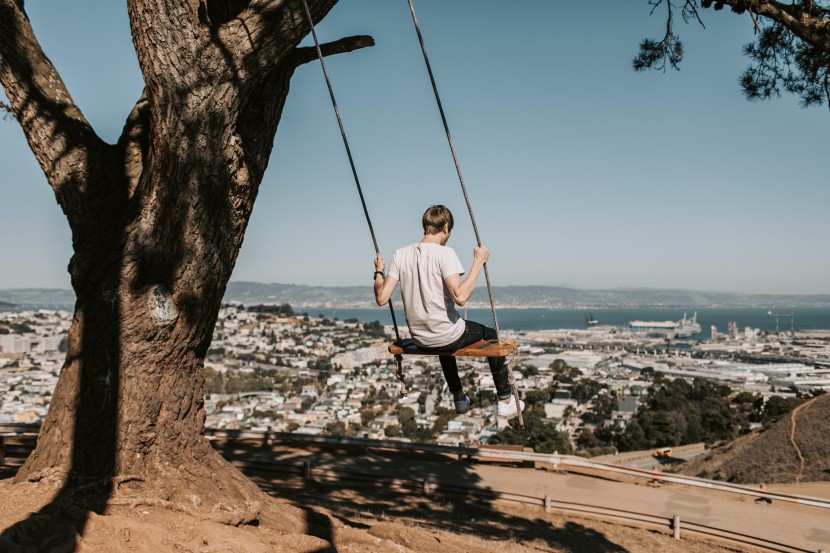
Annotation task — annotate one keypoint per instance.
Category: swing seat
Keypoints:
(482, 348)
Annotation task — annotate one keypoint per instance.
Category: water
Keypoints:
(552, 319)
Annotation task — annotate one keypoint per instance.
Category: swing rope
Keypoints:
(398, 358)
(511, 380)
(454, 159)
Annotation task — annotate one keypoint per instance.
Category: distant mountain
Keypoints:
(39, 297)
(553, 297)
(524, 296)
(7, 306)
(300, 296)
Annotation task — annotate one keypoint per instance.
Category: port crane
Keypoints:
(779, 314)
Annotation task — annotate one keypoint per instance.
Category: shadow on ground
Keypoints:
(354, 501)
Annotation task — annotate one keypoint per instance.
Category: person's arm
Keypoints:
(383, 286)
(461, 290)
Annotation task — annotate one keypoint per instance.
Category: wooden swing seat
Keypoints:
(482, 348)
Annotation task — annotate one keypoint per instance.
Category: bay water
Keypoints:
(554, 319)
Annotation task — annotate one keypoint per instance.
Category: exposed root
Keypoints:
(220, 513)
(133, 502)
(236, 516)
(123, 479)
(53, 475)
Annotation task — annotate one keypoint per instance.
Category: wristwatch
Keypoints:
(378, 273)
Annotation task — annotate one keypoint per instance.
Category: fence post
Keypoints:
(2, 450)
(307, 470)
(547, 503)
(675, 524)
(426, 486)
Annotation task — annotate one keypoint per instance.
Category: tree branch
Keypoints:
(342, 46)
(228, 45)
(58, 134)
(269, 30)
(8, 109)
(810, 23)
(134, 142)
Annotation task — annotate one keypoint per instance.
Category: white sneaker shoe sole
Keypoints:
(509, 409)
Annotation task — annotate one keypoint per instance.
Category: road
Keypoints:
(799, 526)
(794, 525)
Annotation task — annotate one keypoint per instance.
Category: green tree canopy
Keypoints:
(790, 54)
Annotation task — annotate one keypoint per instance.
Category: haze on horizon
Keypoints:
(582, 173)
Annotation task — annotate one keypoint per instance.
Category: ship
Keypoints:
(682, 328)
(590, 321)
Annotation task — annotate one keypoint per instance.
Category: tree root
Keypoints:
(133, 502)
(236, 516)
(54, 475)
(220, 513)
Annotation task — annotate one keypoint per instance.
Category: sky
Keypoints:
(581, 172)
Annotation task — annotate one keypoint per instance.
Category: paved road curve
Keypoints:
(794, 525)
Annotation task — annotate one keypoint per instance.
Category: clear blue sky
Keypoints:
(581, 172)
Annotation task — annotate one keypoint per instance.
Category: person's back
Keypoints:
(430, 309)
(431, 285)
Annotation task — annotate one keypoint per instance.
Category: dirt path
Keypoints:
(793, 416)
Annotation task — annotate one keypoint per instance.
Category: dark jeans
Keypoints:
(473, 332)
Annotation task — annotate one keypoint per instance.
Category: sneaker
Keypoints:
(462, 405)
(509, 409)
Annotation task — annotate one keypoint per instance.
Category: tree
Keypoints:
(563, 372)
(585, 389)
(441, 422)
(336, 428)
(633, 438)
(602, 407)
(777, 406)
(157, 220)
(538, 434)
(588, 440)
(791, 53)
(530, 370)
(681, 413)
(534, 397)
(406, 414)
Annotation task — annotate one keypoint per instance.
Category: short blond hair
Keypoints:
(435, 218)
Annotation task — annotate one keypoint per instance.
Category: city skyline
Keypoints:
(581, 172)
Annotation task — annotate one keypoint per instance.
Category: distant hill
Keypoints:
(300, 296)
(41, 297)
(7, 306)
(769, 456)
(524, 296)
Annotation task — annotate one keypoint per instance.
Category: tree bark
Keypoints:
(157, 221)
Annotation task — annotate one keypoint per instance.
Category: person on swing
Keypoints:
(431, 286)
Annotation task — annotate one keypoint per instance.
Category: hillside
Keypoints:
(772, 455)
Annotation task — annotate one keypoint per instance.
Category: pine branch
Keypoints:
(8, 109)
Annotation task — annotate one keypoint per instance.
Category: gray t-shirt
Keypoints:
(430, 310)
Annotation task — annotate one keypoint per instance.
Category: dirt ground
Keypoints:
(320, 518)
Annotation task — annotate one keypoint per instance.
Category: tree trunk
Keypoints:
(157, 222)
